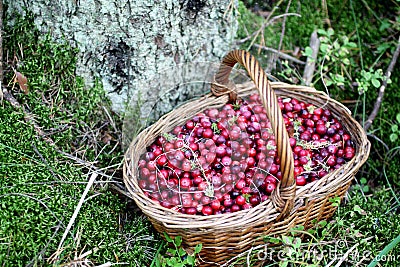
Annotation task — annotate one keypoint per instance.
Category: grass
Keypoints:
(41, 184)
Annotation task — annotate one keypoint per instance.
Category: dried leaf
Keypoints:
(22, 81)
(106, 138)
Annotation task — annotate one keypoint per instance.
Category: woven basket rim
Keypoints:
(176, 219)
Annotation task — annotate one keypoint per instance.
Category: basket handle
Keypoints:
(284, 197)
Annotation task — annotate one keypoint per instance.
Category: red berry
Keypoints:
(300, 180)
(240, 184)
(191, 211)
(215, 204)
(254, 200)
(207, 210)
(240, 200)
(270, 187)
(321, 129)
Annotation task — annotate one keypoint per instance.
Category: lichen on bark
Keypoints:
(124, 42)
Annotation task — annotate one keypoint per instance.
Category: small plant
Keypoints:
(336, 58)
(395, 129)
(368, 78)
(176, 256)
(362, 185)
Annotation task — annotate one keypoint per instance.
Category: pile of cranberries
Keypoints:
(225, 160)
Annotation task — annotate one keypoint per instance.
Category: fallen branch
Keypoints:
(310, 66)
(379, 99)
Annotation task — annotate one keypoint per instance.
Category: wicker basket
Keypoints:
(226, 235)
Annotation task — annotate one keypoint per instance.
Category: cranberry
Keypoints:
(191, 211)
(228, 202)
(215, 204)
(150, 156)
(247, 206)
(254, 200)
(300, 180)
(331, 161)
(235, 208)
(185, 183)
(321, 129)
(240, 184)
(270, 187)
(207, 210)
(240, 200)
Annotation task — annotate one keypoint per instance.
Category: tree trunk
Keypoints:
(122, 42)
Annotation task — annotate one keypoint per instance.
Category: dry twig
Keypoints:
(263, 26)
(280, 54)
(77, 209)
(379, 99)
(275, 56)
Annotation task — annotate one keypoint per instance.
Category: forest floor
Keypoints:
(62, 199)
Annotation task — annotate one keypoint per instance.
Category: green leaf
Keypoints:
(198, 248)
(330, 32)
(324, 232)
(178, 241)
(328, 82)
(351, 45)
(322, 223)
(336, 45)
(287, 239)
(335, 201)
(393, 137)
(324, 48)
(297, 243)
(384, 25)
(322, 32)
(365, 189)
(190, 260)
(376, 83)
(398, 117)
(171, 251)
(308, 52)
(343, 52)
(395, 128)
(311, 231)
(346, 61)
(181, 252)
(171, 261)
(382, 47)
(298, 228)
(169, 239)
(272, 240)
(363, 180)
(367, 76)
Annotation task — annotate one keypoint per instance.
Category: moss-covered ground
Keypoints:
(42, 183)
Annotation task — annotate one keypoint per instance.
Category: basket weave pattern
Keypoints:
(224, 236)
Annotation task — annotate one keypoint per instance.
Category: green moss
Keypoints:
(39, 187)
